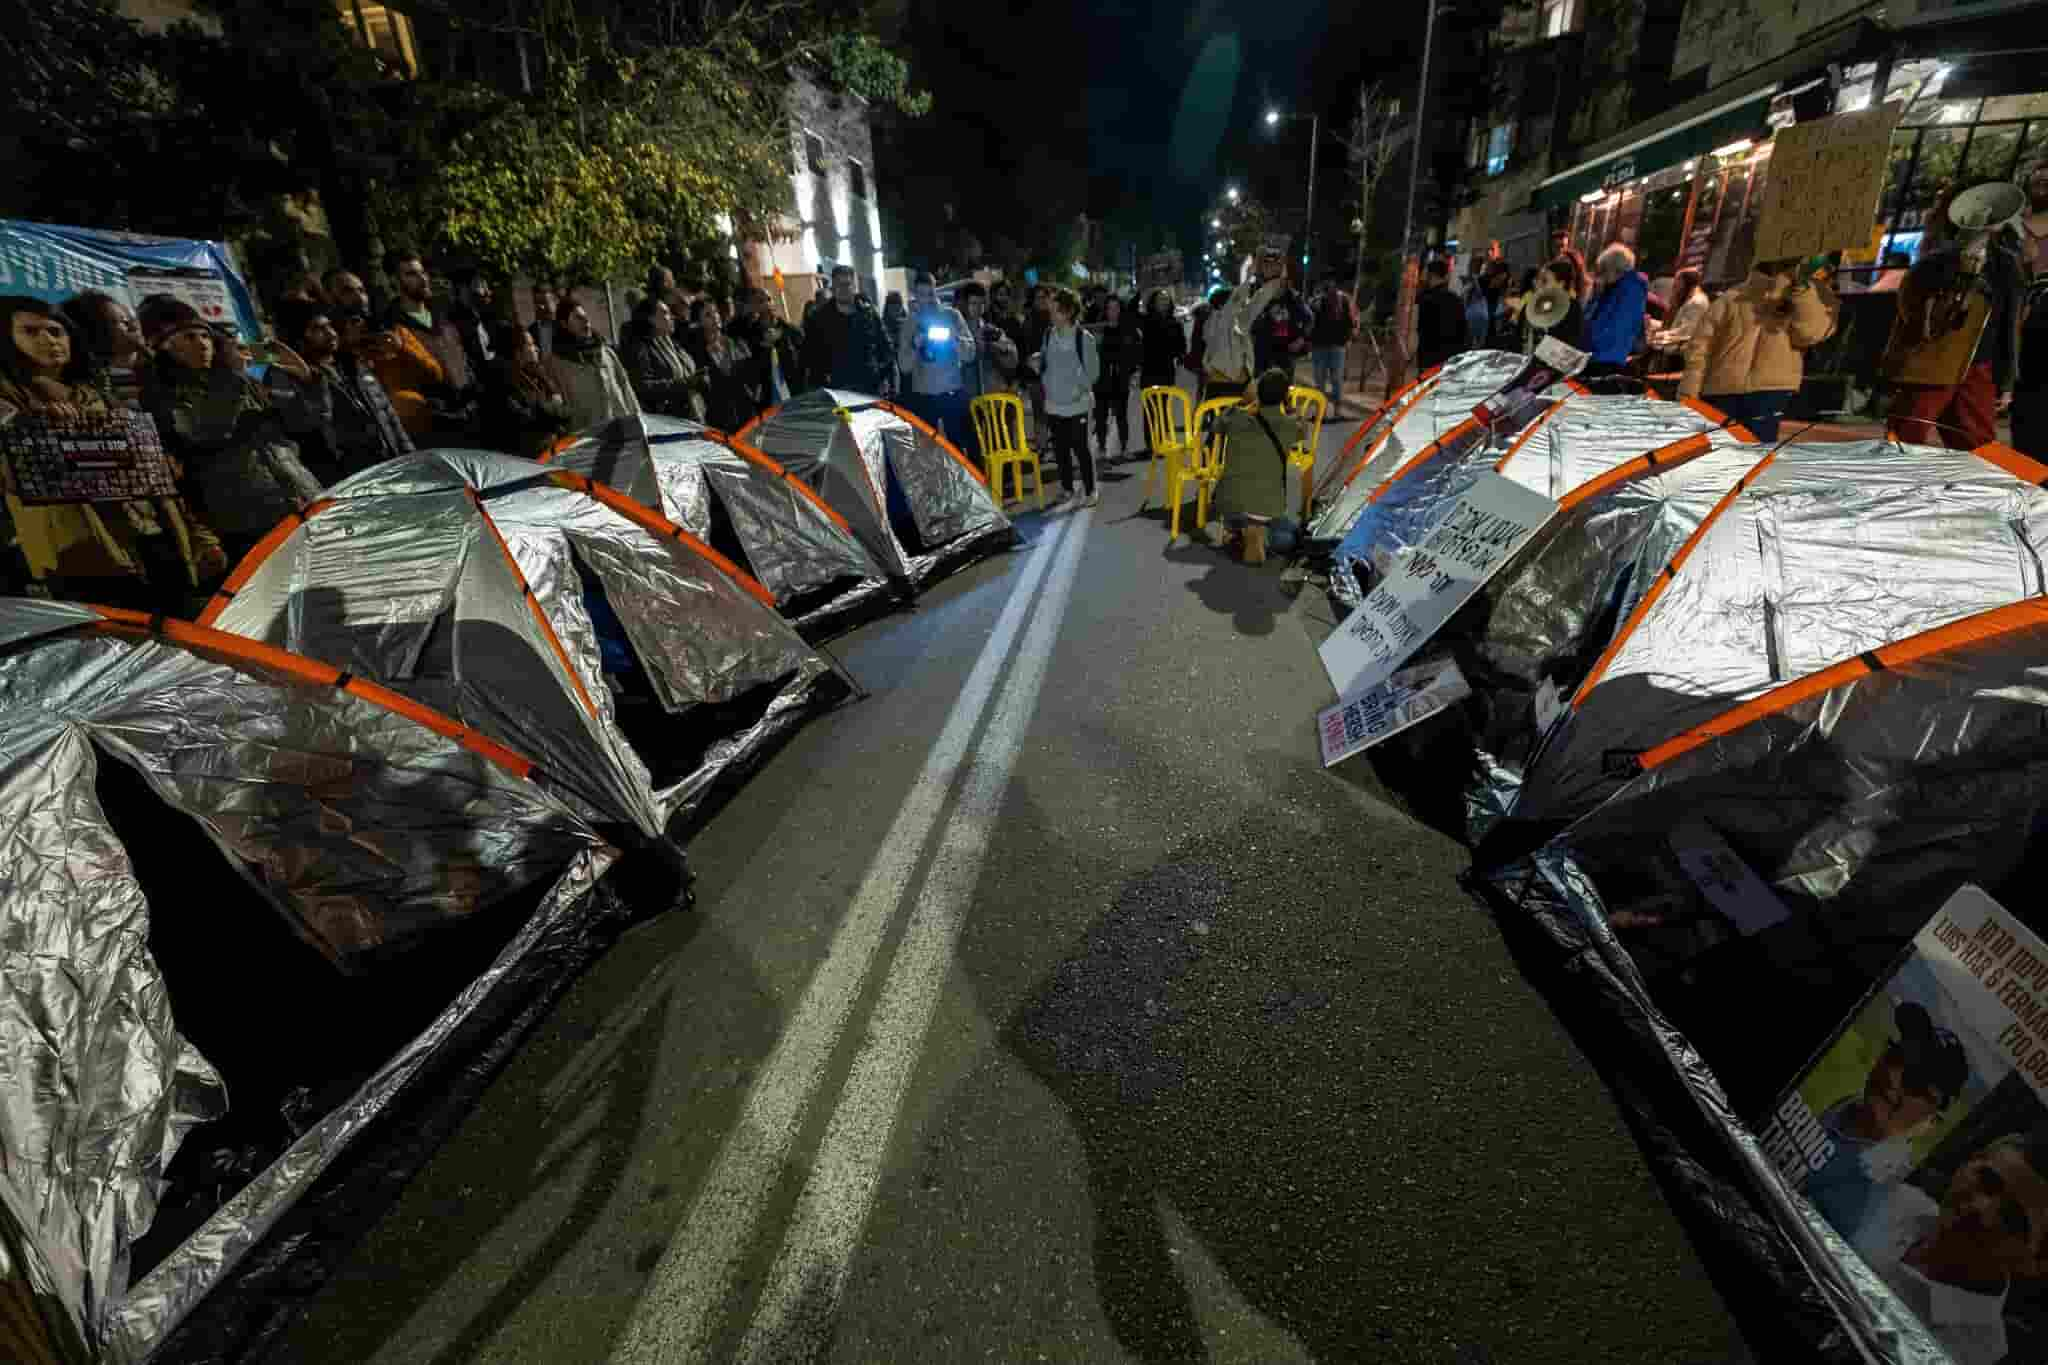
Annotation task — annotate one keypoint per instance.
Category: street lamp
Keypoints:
(1216, 223)
(1315, 144)
(1233, 194)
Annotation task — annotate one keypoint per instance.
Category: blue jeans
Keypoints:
(1329, 371)
(1760, 412)
(945, 411)
(1281, 532)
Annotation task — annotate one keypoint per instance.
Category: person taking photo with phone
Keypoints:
(241, 470)
(935, 344)
(332, 406)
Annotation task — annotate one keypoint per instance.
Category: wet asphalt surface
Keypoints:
(1225, 1068)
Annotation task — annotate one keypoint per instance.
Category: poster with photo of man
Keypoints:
(1920, 1133)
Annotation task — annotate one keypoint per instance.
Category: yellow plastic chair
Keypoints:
(1167, 426)
(999, 421)
(1308, 405)
(1202, 464)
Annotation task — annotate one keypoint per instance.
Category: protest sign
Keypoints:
(1273, 258)
(1824, 182)
(1427, 582)
(50, 262)
(96, 457)
(1931, 1087)
(206, 293)
(1163, 271)
(1412, 695)
(1552, 362)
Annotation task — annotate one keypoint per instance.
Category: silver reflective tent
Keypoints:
(1576, 445)
(202, 828)
(1814, 555)
(1551, 612)
(639, 667)
(1860, 798)
(743, 504)
(911, 497)
(1415, 418)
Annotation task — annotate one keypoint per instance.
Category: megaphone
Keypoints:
(1987, 207)
(1546, 308)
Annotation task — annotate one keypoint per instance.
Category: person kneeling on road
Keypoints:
(1251, 494)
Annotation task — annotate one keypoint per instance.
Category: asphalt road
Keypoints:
(1050, 1004)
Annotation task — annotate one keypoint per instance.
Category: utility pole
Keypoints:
(1404, 311)
(1415, 151)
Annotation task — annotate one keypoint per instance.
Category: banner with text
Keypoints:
(50, 262)
(1411, 696)
(1427, 582)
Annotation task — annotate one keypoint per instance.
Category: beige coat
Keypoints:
(1229, 356)
(1754, 339)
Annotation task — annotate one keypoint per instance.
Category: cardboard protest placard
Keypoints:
(96, 457)
(1163, 271)
(1273, 258)
(1920, 1104)
(1824, 182)
(1411, 696)
(1426, 583)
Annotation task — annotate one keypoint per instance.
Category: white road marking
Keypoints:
(683, 1306)
(801, 1300)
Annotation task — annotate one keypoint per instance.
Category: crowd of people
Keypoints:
(1950, 372)
(1078, 358)
(345, 384)
(255, 432)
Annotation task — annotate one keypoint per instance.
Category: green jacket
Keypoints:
(1256, 480)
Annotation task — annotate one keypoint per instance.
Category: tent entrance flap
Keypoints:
(322, 1032)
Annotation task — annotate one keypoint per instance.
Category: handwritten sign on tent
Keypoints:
(1426, 583)
(1411, 696)
(1824, 182)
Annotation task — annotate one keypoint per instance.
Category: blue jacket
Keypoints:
(1614, 319)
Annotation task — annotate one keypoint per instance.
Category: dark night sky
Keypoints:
(1133, 109)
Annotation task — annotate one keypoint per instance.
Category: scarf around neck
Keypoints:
(582, 350)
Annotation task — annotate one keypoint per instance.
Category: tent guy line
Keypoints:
(683, 1307)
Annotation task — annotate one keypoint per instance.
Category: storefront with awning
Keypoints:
(1680, 196)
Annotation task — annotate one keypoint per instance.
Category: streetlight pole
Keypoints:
(1315, 143)
(1308, 230)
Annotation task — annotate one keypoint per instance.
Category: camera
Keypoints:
(938, 334)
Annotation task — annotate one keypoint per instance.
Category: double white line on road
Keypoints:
(683, 1308)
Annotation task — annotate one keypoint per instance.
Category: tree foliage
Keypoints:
(635, 132)
(593, 183)
(1246, 224)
